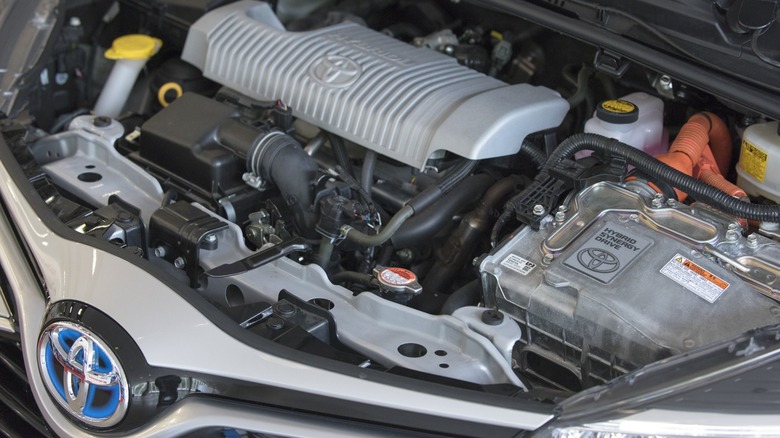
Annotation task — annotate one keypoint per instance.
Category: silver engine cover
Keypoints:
(396, 99)
(617, 284)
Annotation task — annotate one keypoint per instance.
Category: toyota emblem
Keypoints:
(598, 260)
(335, 71)
(82, 374)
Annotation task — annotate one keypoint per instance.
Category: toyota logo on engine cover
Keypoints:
(82, 374)
(598, 260)
(335, 71)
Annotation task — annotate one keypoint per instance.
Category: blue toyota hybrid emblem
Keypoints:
(82, 374)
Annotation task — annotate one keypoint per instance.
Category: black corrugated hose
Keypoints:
(533, 153)
(650, 166)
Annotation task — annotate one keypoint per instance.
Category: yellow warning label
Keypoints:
(753, 160)
(618, 106)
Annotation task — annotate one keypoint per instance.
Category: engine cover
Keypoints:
(396, 99)
(618, 284)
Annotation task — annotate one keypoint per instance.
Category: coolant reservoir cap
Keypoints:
(617, 111)
(134, 46)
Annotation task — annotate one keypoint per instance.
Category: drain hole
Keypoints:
(444, 365)
(440, 353)
(412, 350)
(90, 177)
(234, 295)
(89, 166)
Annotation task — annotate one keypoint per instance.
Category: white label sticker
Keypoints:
(518, 264)
(696, 279)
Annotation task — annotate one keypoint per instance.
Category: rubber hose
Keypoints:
(650, 166)
(351, 277)
(424, 225)
(383, 236)
(416, 204)
(272, 157)
(582, 86)
(444, 185)
(367, 173)
(468, 295)
(340, 151)
(533, 153)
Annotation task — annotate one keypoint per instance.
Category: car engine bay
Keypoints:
(429, 188)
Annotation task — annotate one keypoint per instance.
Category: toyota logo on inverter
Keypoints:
(598, 260)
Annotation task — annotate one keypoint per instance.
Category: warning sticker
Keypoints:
(753, 160)
(518, 264)
(607, 252)
(696, 279)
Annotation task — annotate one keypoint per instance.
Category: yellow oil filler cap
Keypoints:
(134, 46)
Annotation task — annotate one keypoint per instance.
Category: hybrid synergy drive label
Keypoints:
(607, 252)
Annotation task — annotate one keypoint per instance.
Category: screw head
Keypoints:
(210, 238)
(752, 240)
(538, 210)
(548, 258)
(159, 251)
(179, 263)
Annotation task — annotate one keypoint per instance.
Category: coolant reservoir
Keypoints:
(636, 119)
(758, 170)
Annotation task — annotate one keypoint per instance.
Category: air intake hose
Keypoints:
(280, 159)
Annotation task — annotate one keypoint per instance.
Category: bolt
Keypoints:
(733, 227)
(275, 323)
(689, 343)
(538, 210)
(633, 217)
(658, 201)
(671, 203)
(752, 240)
(492, 317)
(548, 258)
(179, 263)
(101, 122)
(560, 216)
(75, 22)
(159, 251)
(210, 238)
(285, 309)
(475, 261)
(124, 217)
(732, 235)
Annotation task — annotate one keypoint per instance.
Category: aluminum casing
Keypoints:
(605, 322)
